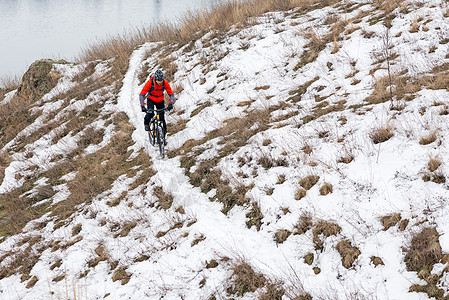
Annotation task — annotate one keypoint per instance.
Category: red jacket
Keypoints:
(157, 94)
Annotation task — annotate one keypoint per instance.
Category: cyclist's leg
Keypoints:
(161, 105)
(149, 115)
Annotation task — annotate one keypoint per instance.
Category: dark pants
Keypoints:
(149, 115)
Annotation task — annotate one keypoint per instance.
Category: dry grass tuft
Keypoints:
(326, 229)
(244, 279)
(434, 163)
(9, 83)
(313, 49)
(254, 216)
(274, 291)
(348, 253)
(390, 220)
(309, 181)
(424, 251)
(381, 134)
(428, 139)
(165, 199)
(308, 259)
(326, 189)
(304, 224)
(122, 275)
(300, 193)
(281, 236)
(376, 261)
(5, 160)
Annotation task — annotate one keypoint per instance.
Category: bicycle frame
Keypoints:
(156, 131)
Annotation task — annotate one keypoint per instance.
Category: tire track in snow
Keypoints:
(225, 234)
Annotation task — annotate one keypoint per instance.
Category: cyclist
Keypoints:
(153, 90)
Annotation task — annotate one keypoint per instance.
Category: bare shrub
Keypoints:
(390, 220)
(348, 253)
(381, 134)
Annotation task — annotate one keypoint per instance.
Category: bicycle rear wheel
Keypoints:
(160, 141)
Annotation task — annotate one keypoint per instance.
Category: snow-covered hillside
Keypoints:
(306, 160)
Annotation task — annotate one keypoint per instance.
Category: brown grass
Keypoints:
(304, 224)
(165, 199)
(254, 216)
(326, 189)
(309, 181)
(217, 20)
(348, 253)
(300, 193)
(390, 220)
(5, 160)
(376, 261)
(381, 134)
(281, 236)
(244, 279)
(308, 259)
(424, 251)
(326, 229)
(434, 163)
(312, 49)
(428, 139)
(122, 275)
(9, 83)
(14, 117)
(274, 291)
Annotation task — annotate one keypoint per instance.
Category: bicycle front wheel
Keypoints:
(152, 134)
(160, 141)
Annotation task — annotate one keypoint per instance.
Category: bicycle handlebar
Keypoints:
(156, 110)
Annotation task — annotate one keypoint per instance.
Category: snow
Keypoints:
(382, 179)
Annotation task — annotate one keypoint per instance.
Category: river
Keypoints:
(59, 29)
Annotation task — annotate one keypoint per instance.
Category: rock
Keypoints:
(39, 79)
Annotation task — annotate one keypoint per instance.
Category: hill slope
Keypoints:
(306, 160)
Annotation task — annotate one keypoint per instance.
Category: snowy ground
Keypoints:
(259, 66)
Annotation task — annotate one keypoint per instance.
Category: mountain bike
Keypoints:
(156, 133)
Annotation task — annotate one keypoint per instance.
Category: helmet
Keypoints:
(158, 75)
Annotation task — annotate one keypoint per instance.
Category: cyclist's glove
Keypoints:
(143, 108)
(170, 106)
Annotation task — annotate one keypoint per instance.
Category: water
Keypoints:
(35, 29)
